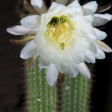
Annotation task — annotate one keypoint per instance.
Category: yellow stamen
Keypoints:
(60, 30)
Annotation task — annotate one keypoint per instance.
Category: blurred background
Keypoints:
(12, 90)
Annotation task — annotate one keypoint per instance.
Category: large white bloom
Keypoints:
(65, 38)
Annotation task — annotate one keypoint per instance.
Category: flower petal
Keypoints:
(87, 32)
(29, 8)
(51, 74)
(90, 55)
(31, 22)
(101, 19)
(29, 50)
(74, 70)
(100, 54)
(43, 62)
(86, 59)
(104, 8)
(58, 8)
(80, 45)
(21, 30)
(68, 12)
(103, 46)
(76, 8)
(75, 58)
(90, 18)
(83, 20)
(91, 38)
(52, 1)
(74, 4)
(84, 70)
(53, 6)
(39, 6)
(89, 8)
(69, 2)
(100, 34)
(22, 41)
(62, 1)
(31, 61)
(93, 48)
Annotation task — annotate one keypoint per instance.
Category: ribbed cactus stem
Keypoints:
(41, 96)
(71, 96)
(74, 94)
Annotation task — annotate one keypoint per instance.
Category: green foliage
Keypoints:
(71, 96)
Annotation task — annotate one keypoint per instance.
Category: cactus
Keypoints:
(71, 96)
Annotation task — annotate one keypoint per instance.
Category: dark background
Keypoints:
(12, 91)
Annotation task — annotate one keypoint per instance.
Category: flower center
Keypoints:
(60, 30)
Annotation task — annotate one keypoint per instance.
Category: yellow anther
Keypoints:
(60, 30)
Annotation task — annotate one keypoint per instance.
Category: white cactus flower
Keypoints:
(65, 37)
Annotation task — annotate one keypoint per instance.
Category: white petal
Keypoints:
(88, 29)
(90, 55)
(68, 12)
(89, 8)
(87, 33)
(76, 8)
(76, 59)
(59, 8)
(90, 18)
(62, 2)
(101, 19)
(53, 6)
(21, 30)
(84, 70)
(74, 4)
(100, 34)
(73, 71)
(83, 20)
(51, 74)
(43, 62)
(32, 22)
(38, 36)
(29, 50)
(103, 46)
(100, 54)
(80, 45)
(81, 55)
(70, 1)
(92, 38)
(77, 11)
(93, 48)
(86, 59)
(62, 66)
(39, 6)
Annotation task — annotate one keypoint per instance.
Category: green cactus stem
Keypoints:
(71, 96)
